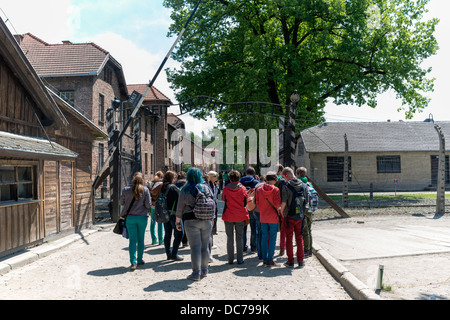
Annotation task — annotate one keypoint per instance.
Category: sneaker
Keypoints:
(194, 277)
(307, 255)
(214, 247)
(133, 267)
(289, 264)
(142, 262)
(301, 264)
(204, 274)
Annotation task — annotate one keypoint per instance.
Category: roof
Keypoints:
(402, 136)
(68, 59)
(32, 147)
(175, 122)
(63, 59)
(27, 76)
(152, 94)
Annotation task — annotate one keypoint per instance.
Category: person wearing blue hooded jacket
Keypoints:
(250, 182)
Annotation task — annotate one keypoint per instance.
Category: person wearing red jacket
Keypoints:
(268, 200)
(234, 215)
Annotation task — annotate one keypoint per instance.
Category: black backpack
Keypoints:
(298, 204)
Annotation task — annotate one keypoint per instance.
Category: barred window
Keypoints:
(335, 169)
(388, 164)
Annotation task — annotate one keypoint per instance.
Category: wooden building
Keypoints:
(45, 171)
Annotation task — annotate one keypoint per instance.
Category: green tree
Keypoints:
(263, 50)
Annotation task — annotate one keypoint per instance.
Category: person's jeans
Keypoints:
(198, 233)
(268, 240)
(169, 228)
(153, 224)
(255, 233)
(230, 228)
(136, 226)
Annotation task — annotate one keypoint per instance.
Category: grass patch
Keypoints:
(415, 196)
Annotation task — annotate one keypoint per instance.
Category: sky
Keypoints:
(135, 33)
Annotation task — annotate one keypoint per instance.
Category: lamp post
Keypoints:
(289, 131)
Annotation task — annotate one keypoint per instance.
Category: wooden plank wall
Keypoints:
(66, 194)
(20, 225)
(16, 106)
(51, 197)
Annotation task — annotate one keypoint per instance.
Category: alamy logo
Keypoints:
(231, 150)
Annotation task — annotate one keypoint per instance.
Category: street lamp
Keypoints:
(295, 97)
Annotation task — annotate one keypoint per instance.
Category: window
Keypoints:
(435, 168)
(146, 130)
(101, 157)
(107, 75)
(17, 183)
(101, 108)
(335, 169)
(388, 164)
(146, 162)
(68, 96)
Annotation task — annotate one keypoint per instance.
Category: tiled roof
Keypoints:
(63, 59)
(32, 146)
(153, 94)
(174, 121)
(402, 136)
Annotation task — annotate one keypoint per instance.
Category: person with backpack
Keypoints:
(250, 182)
(155, 188)
(234, 216)
(294, 196)
(136, 203)
(311, 207)
(171, 193)
(196, 208)
(268, 201)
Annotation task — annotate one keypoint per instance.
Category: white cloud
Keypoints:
(46, 19)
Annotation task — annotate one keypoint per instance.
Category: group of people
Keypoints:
(269, 204)
(275, 203)
(180, 190)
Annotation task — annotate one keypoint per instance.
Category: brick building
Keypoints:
(155, 127)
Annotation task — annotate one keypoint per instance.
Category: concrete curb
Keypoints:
(357, 288)
(27, 256)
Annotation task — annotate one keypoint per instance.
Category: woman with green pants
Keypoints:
(136, 202)
(155, 188)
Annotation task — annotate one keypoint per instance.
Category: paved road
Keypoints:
(414, 250)
(97, 267)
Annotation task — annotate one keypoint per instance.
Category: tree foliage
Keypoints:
(347, 51)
